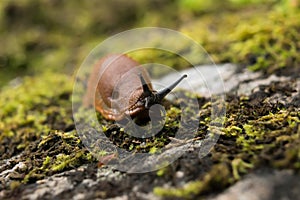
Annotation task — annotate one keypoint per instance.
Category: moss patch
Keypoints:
(36, 124)
(258, 133)
(263, 39)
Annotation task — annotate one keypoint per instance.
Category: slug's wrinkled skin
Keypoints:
(120, 88)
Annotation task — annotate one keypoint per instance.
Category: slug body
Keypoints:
(121, 88)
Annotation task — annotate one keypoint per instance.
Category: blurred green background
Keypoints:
(39, 36)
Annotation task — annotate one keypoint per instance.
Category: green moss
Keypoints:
(268, 126)
(153, 150)
(232, 130)
(30, 109)
(36, 122)
(268, 44)
(191, 189)
(255, 134)
(46, 162)
(239, 166)
(162, 171)
(66, 152)
(63, 161)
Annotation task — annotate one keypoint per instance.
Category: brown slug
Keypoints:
(121, 88)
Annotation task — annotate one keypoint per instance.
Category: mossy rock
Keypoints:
(37, 129)
(257, 133)
(261, 39)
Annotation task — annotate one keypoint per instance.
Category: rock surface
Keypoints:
(91, 182)
(264, 185)
(217, 79)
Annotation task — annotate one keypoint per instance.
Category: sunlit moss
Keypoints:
(251, 137)
(268, 44)
(36, 116)
(240, 166)
(194, 188)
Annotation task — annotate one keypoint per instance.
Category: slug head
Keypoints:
(153, 97)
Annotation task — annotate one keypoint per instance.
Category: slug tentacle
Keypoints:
(146, 89)
(161, 94)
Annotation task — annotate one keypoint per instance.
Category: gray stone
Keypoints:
(219, 79)
(276, 185)
(205, 80)
(53, 185)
